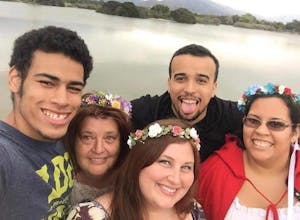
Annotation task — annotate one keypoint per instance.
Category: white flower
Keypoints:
(97, 213)
(263, 89)
(193, 133)
(281, 89)
(109, 96)
(129, 142)
(154, 130)
(241, 102)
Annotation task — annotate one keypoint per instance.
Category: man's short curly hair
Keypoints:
(50, 39)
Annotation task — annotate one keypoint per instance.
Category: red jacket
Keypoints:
(221, 177)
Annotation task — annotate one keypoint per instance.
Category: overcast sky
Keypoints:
(266, 8)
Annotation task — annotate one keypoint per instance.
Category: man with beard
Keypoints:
(192, 84)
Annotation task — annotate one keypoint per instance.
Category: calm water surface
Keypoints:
(131, 56)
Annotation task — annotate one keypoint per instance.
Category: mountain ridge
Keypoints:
(208, 7)
(196, 6)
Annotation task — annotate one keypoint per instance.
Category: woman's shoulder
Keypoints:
(88, 211)
(105, 200)
(198, 212)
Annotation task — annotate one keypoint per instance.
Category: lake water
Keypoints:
(131, 56)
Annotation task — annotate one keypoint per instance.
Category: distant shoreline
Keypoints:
(181, 15)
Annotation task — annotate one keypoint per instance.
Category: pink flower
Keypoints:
(197, 140)
(176, 130)
(287, 91)
(138, 134)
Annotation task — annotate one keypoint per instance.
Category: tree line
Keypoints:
(181, 15)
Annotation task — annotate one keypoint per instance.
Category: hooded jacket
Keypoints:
(221, 177)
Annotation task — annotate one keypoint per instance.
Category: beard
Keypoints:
(186, 118)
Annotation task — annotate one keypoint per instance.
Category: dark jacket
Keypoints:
(222, 117)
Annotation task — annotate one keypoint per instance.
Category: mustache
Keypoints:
(189, 97)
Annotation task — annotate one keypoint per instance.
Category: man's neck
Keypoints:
(10, 119)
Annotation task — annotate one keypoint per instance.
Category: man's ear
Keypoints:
(215, 86)
(14, 80)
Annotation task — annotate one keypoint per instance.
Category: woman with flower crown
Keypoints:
(96, 141)
(257, 177)
(157, 179)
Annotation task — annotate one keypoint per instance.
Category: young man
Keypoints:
(192, 84)
(48, 69)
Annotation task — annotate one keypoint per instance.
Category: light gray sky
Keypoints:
(266, 8)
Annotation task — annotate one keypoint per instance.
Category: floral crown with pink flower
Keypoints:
(156, 130)
(267, 89)
(106, 100)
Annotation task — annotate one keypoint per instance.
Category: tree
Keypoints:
(183, 15)
(293, 26)
(279, 26)
(110, 7)
(208, 19)
(128, 9)
(160, 11)
(51, 2)
(235, 18)
(143, 12)
(248, 18)
(228, 20)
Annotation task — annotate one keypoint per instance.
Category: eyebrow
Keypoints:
(198, 75)
(55, 78)
(112, 132)
(253, 115)
(270, 119)
(83, 131)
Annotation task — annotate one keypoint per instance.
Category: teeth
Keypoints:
(189, 101)
(262, 143)
(170, 190)
(55, 116)
(98, 161)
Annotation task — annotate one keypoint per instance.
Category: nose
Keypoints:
(189, 87)
(262, 129)
(174, 176)
(60, 96)
(99, 146)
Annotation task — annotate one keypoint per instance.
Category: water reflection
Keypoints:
(131, 56)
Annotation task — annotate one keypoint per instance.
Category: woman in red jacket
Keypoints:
(257, 178)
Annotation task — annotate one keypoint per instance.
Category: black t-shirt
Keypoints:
(222, 117)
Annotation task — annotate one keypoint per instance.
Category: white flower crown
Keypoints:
(156, 130)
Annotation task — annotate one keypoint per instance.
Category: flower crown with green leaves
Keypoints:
(267, 89)
(106, 100)
(156, 130)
